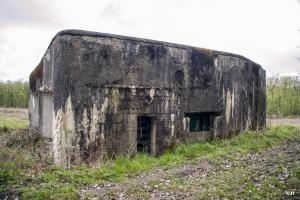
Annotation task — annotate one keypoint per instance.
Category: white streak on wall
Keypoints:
(57, 137)
(173, 97)
(104, 106)
(103, 110)
(85, 124)
(166, 101)
(114, 100)
(70, 119)
(151, 93)
(94, 123)
(228, 107)
(64, 134)
(32, 100)
(216, 62)
(232, 104)
(172, 124)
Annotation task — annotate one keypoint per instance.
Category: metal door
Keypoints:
(144, 134)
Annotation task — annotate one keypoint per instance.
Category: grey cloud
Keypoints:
(112, 10)
(281, 63)
(20, 11)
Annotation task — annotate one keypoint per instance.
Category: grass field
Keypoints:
(12, 123)
(26, 168)
(13, 118)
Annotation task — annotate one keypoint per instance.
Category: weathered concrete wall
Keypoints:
(33, 111)
(46, 114)
(41, 109)
(101, 83)
(243, 94)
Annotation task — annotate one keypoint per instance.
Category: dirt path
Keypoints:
(230, 177)
(291, 121)
(18, 113)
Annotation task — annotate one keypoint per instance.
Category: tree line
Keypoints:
(283, 96)
(14, 94)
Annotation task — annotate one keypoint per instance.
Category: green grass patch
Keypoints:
(8, 176)
(12, 123)
(58, 181)
(51, 191)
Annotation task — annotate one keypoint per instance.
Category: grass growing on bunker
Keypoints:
(37, 178)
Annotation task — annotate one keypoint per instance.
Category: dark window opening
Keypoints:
(179, 77)
(199, 121)
(144, 134)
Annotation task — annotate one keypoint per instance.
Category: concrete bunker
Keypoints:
(100, 95)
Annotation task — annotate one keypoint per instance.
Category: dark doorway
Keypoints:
(144, 134)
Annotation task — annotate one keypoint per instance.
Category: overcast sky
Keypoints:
(265, 31)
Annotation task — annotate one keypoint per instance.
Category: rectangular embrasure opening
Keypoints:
(200, 121)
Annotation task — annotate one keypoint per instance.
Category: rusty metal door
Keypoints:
(144, 134)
